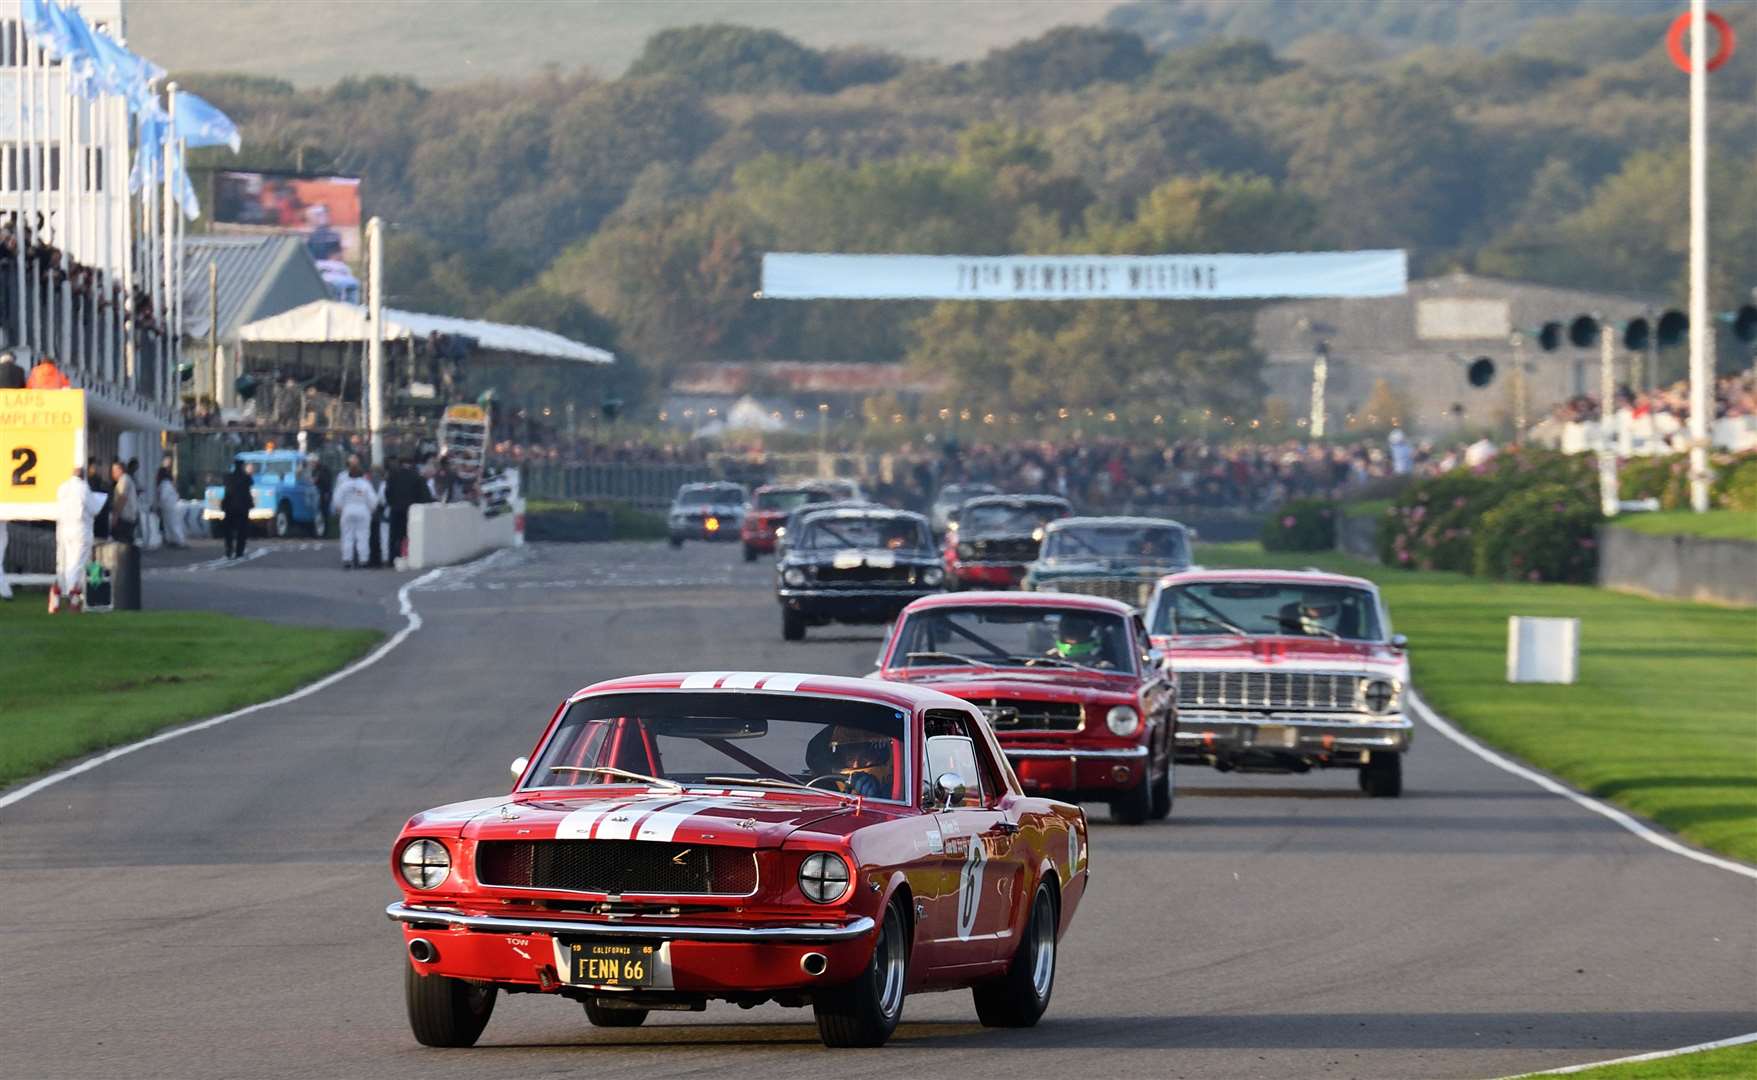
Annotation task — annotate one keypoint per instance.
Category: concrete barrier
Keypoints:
(1678, 567)
(445, 533)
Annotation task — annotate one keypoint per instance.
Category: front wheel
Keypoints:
(677, 541)
(749, 553)
(792, 625)
(865, 1011)
(319, 525)
(444, 1011)
(1164, 792)
(283, 521)
(1382, 776)
(1021, 996)
(605, 1016)
(1135, 805)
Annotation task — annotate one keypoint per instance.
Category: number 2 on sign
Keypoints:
(23, 474)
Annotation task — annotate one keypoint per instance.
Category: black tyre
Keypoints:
(215, 530)
(1021, 996)
(792, 625)
(444, 1011)
(865, 1011)
(677, 541)
(750, 553)
(283, 524)
(319, 525)
(1382, 777)
(1164, 791)
(608, 1017)
(1135, 805)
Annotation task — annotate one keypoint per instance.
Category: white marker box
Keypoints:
(1542, 650)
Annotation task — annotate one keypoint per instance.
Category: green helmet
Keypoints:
(1076, 638)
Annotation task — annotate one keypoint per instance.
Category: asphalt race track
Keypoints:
(212, 906)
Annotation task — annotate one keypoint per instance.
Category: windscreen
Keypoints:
(892, 533)
(1007, 518)
(847, 746)
(1148, 543)
(1000, 636)
(271, 470)
(788, 500)
(709, 497)
(1326, 611)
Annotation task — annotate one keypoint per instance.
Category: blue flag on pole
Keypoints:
(150, 148)
(124, 73)
(200, 124)
(70, 39)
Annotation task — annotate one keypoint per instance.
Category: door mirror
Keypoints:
(1399, 642)
(1156, 658)
(950, 789)
(518, 766)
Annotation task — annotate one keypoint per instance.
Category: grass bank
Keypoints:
(1661, 721)
(1725, 1064)
(76, 684)
(1714, 525)
(573, 520)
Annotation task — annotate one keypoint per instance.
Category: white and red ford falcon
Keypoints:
(1285, 671)
(749, 837)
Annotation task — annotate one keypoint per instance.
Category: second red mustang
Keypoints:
(1070, 684)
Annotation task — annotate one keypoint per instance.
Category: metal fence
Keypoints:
(647, 487)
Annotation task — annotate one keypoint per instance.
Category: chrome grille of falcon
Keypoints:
(1275, 690)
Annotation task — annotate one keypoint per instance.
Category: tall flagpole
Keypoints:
(180, 264)
(17, 164)
(125, 204)
(1701, 330)
(167, 278)
(64, 229)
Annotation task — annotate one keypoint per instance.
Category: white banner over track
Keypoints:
(792, 276)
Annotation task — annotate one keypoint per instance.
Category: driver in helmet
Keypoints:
(1311, 616)
(861, 759)
(1078, 639)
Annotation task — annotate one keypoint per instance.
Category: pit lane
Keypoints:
(212, 907)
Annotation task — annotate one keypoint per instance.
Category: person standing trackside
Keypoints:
(73, 535)
(124, 503)
(235, 509)
(170, 518)
(403, 490)
(353, 502)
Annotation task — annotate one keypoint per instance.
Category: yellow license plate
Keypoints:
(609, 963)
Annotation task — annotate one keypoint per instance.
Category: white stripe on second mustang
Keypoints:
(621, 825)
(578, 824)
(663, 824)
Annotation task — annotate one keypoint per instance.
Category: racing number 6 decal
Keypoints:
(970, 887)
(26, 459)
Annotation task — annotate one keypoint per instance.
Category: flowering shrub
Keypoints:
(1543, 533)
(1302, 525)
(1433, 525)
(1735, 483)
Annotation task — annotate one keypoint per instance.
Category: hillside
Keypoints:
(315, 42)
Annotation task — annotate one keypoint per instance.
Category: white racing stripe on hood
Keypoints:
(578, 824)
(663, 825)
(744, 680)
(784, 682)
(621, 825)
(703, 680)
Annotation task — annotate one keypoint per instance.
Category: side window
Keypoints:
(954, 746)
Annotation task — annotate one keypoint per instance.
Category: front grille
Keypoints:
(862, 575)
(1277, 690)
(1021, 550)
(1009, 714)
(1129, 590)
(614, 867)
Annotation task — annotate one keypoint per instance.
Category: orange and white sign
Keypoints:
(42, 439)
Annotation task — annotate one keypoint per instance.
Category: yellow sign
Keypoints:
(466, 414)
(42, 438)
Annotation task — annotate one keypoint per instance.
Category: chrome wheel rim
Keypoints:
(887, 965)
(1043, 946)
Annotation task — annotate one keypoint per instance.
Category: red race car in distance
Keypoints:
(769, 507)
(1082, 707)
(748, 837)
(991, 539)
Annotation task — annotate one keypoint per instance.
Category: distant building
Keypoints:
(789, 392)
(1423, 345)
(257, 276)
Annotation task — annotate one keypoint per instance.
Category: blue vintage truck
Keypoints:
(284, 493)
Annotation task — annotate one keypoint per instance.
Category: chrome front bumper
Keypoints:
(1294, 733)
(502, 924)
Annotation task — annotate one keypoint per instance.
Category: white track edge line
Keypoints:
(411, 623)
(1622, 818)
(1718, 1044)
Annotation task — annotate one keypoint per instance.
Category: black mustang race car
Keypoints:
(854, 565)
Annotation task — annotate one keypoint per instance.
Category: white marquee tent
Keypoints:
(331, 322)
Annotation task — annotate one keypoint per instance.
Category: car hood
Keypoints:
(1058, 684)
(700, 815)
(1198, 653)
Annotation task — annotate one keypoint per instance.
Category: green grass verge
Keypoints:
(1660, 721)
(1714, 525)
(76, 684)
(1373, 508)
(1733, 1061)
(560, 519)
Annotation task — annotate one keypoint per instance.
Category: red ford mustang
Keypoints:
(748, 837)
(769, 507)
(1083, 708)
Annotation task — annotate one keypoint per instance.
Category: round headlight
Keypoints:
(1379, 695)
(966, 551)
(1122, 720)
(793, 575)
(424, 863)
(823, 877)
(933, 575)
